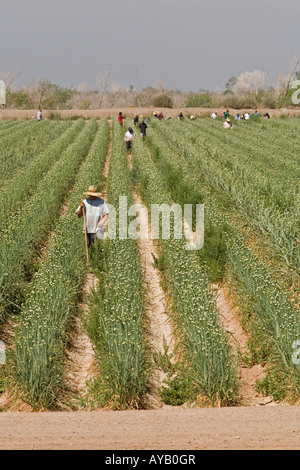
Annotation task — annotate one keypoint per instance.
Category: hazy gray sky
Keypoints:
(189, 44)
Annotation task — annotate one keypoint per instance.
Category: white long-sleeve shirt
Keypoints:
(128, 136)
(95, 210)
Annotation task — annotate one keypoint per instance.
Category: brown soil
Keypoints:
(238, 339)
(172, 429)
(229, 318)
(159, 328)
(81, 358)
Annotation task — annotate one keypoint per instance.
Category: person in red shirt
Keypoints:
(121, 119)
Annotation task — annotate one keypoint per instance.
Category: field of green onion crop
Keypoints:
(247, 178)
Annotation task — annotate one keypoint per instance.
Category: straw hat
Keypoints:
(93, 191)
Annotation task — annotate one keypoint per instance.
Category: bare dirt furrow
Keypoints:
(156, 311)
(248, 373)
(81, 358)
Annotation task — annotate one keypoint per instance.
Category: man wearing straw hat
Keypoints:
(95, 213)
(227, 124)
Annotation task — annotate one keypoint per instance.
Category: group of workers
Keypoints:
(94, 209)
(246, 116)
(129, 134)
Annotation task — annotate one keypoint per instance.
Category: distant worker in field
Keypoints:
(214, 115)
(226, 114)
(128, 138)
(227, 124)
(180, 116)
(192, 118)
(238, 117)
(136, 121)
(120, 118)
(95, 212)
(39, 115)
(267, 116)
(143, 128)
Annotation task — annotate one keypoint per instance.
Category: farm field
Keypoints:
(149, 324)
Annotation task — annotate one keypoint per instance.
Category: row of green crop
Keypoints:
(222, 150)
(203, 169)
(272, 145)
(116, 324)
(281, 228)
(240, 147)
(266, 301)
(23, 129)
(20, 187)
(47, 314)
(207, 363)
(26, 232)
(239, 153)
(10, 126)
(235, 152)
(279, 139)
(218, 151)
(6, 123)
(274, 321)
(17, 153)
(14, 131)
(188, 187)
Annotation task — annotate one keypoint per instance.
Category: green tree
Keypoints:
(297, 75)
(198, 100)
(230, 84)
(19, 100)
(164, 100)
(47, 95)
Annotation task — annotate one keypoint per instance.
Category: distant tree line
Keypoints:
(250, 89)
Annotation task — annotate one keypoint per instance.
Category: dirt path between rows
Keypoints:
(229, 319)
(81, 358)
(160, 328)
(238, 340)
